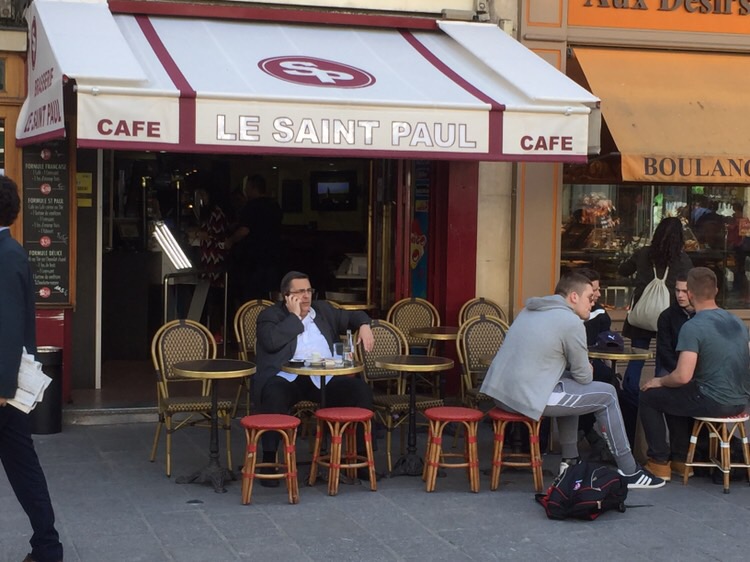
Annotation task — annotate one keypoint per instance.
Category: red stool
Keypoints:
(440, 417)
(255, 426)
(341, 423)
(720, 432)
(500, 420)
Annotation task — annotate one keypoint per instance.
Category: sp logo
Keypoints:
(33, 43)
(310, 71)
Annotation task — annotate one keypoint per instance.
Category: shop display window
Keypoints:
(605, 223)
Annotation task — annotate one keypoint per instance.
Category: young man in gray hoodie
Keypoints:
(543, 369)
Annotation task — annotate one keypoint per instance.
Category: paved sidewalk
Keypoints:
(113, 505)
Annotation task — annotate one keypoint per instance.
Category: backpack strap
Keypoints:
(666, 272)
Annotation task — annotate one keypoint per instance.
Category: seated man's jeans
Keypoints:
(678, 405)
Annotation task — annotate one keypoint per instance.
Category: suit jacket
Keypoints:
(17, 312)
(278, 330)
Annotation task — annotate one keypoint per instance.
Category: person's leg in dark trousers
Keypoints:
(631, 381)
(277, 397)
(29, 484)
(350, 391)
(684, 401)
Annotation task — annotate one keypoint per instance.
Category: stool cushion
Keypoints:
(269, 421)
(503, 415)
(344, 414)
(730, 419)
(453, 413)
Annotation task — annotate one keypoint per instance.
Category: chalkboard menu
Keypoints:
(46, 220)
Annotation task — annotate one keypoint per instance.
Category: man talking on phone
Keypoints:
(299, 327)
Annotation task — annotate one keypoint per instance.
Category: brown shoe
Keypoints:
(679, 468)
(660, 470)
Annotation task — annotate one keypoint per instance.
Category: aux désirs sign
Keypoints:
(740, 7)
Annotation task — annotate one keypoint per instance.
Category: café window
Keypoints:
(603, 224)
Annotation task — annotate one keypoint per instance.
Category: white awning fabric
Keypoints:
(463, 90)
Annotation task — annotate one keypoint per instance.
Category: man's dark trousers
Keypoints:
(279, 395)
(27, 480)
(678, 405)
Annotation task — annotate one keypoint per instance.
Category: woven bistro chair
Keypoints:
(408, 314)
(245, 330)
(183, 340)
(390, 399)
(477, 337)
(480, 306)
(411, 313)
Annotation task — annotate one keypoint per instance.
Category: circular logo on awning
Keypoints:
(310, 71)
(32, 41)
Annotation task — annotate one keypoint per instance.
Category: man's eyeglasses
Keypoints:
(300, 292)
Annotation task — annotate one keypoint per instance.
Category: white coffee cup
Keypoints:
(315, 357)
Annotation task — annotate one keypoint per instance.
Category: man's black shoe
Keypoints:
(268, 483)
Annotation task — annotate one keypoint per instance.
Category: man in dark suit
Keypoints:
(18, 330)
(298, 327)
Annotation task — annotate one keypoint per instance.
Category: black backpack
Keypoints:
(584, 491)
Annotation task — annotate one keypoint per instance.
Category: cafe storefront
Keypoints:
(671, 76)
(398, 111)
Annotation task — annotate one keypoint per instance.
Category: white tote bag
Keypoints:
(653, 301)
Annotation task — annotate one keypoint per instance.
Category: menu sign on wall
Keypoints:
(46, 220)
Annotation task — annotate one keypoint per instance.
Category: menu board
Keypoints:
(46, 220)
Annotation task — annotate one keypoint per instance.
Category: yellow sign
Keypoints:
(685, 169)
(85, 202)
(84, 183)
(706, 16)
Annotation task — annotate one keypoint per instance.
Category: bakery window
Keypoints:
(605, 223)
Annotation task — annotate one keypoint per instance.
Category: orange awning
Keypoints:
(675, 117)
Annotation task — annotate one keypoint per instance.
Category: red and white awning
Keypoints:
(464, 90)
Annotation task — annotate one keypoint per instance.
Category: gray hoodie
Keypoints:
(546, 339)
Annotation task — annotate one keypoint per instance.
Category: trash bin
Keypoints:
(47, 416)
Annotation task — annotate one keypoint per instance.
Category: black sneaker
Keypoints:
(641, 479)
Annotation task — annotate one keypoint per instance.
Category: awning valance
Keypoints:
(675, 117)
(209, 85)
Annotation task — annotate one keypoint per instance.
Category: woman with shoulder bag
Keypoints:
(666, 251)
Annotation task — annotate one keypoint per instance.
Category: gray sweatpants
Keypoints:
(596, 398)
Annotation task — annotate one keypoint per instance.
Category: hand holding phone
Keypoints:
(293, 304)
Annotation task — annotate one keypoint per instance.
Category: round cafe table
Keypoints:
(357, 305)
(411, 463)
(437, 334)
(627, 354)
(320, 370)
(213, 370)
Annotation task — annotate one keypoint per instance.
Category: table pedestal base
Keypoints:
(213, 473)
(411, 464)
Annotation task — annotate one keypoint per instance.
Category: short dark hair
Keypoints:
(590, 274)
(286, 281)
(10, 202)
(572, 282)
(681, 277)
(702, 283)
